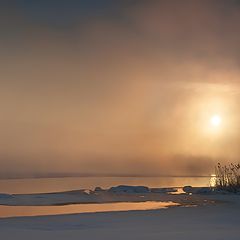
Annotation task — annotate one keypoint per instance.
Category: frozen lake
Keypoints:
(44, 185)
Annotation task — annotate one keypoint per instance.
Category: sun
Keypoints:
(215, 120)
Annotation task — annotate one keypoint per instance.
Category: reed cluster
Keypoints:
(228, 177)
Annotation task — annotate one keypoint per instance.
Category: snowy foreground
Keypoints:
(216, 217)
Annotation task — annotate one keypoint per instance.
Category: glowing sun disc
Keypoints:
(215, 120)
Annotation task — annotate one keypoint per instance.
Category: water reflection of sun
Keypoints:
(213, 180)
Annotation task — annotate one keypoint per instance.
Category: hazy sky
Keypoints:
(119, 87)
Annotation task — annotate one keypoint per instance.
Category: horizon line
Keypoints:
(80, 175)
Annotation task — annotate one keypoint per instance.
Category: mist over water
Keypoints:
(118, 87)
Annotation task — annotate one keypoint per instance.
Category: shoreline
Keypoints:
(98, 196)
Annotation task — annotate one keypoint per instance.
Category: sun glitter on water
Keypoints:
(213, 180)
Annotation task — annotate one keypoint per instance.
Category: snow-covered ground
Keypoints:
(213, 222)
(218, 221)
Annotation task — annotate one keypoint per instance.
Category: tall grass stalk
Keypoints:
(228, 177)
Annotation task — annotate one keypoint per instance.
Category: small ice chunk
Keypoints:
(5, 196)
(98, 189)
(129, 189)
(197, 190)
(163, 190)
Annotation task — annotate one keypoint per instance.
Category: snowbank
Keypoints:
(129, 189)
(197, 190)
